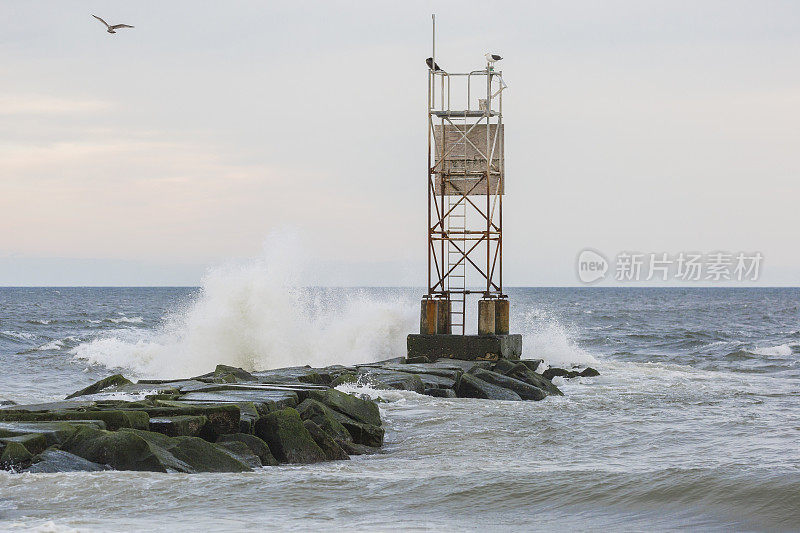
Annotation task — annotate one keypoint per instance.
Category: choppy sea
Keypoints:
(694, 422)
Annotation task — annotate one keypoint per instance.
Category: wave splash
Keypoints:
(253, 315)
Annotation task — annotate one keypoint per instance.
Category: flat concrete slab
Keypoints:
(465, 347)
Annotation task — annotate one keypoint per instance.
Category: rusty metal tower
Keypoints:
(466, 181)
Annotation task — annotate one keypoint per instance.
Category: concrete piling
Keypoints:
(486, 317)
(502, 309)
(427, 317)
(443, 317)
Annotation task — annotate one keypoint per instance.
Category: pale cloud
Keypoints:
(22, 104)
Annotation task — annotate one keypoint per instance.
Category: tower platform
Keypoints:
(465, 347)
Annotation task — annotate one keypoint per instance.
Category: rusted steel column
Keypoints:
(443, 317)
(502, 308)
(486, 317)
(427, 317)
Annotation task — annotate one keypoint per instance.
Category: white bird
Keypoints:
(111, 29)
(491, 58)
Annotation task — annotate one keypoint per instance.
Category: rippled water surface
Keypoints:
(693, 423)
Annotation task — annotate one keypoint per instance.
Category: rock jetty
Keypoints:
(231, 420)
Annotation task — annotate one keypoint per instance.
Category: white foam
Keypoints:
(20, 335)
(544, 337)
(126, 320)
(253, 315)
(781, 349)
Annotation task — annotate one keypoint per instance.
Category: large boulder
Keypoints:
(471, 386)
(113, 419)
(325, 418)
(105, 383)
(256, 445)
(123, 450)
(364, 411)
(440, 393)
(287, 437)
(14, 455)
(330, 448)
(34, 442)
(221, 418)
(522, 370)
(179, 426)
(526, 391)
(366, 434)
(390, 379)
(53, 460)
(54, 432)
(272, 400)
(240, 452)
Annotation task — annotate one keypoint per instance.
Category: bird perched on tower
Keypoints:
(491, 58)
(431, 65)
(109, 28)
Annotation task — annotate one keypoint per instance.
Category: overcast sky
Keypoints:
(143, 157)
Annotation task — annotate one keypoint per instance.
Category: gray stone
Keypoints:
(287, 437)
(273, 399)
(35, 443)
(325, 418)
(332, 450)
(364, 411)
(440, 393)
(14, 456)
(471, 386)
(53, 432)
(240, 452)
(389, 379)
(53, 460)
(177, 426)
(105, 383)
(256, 445)
(526, 391)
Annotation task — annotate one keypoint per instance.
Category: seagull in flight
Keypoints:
(431, 65)
(112, 29)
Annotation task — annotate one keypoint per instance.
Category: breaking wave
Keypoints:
(255, 316)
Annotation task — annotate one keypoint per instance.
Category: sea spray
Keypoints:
(254, 315)
(544, 337)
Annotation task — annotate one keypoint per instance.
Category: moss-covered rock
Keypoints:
(35, 443)
(221, 418)
(54, 432)
(364, 411)
(94, 388)
(14, 456)
(324, 417)
(344, 378)
(367, 434)
(54, 460)
(179, 426)
(330, 448)
(256, 445)
(113, 419)
(288, 439)
(240, 452)
(123, 450)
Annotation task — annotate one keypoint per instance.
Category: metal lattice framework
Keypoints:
(465, 187)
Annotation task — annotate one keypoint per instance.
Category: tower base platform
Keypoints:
(466, 347)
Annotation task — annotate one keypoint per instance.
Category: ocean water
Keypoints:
(693, 423)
